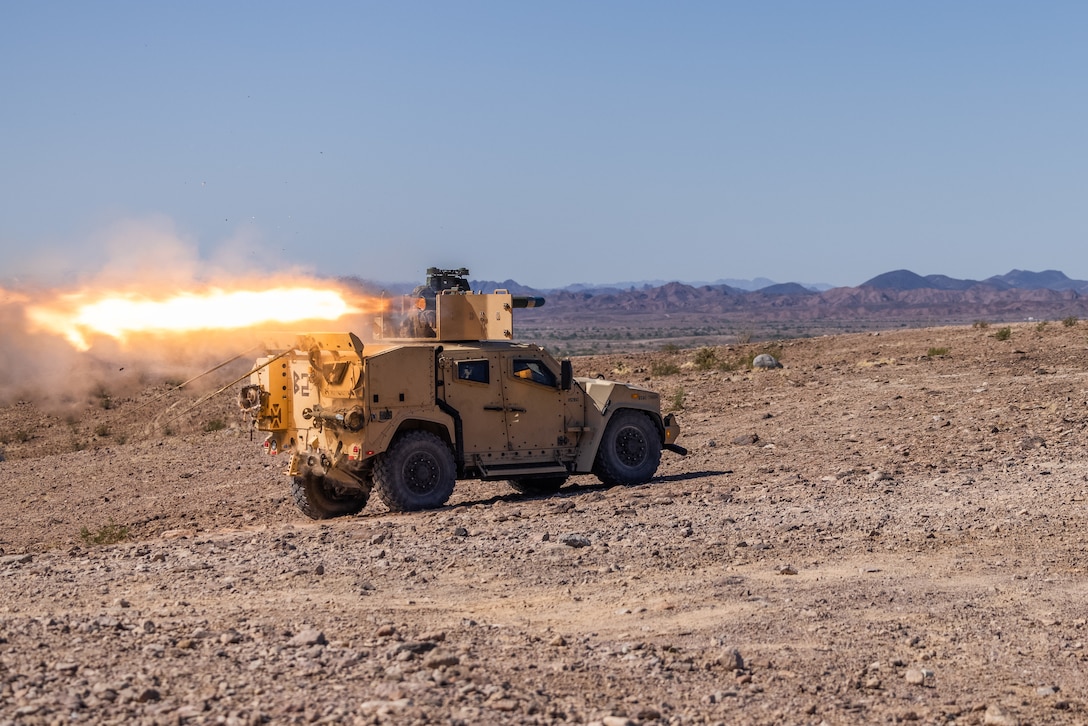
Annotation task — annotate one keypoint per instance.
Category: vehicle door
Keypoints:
(536, 415)
(472, 386)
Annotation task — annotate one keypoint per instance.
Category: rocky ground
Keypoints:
(889, 529)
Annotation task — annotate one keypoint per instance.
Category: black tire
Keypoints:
(417, 472)
(317, 500)
(630, 449)
(538, 485)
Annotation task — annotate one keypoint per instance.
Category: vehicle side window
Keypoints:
(533, 370)
(477, 371)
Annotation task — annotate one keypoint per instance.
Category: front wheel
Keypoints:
(317, 499)
(417, 472)
(630, 449)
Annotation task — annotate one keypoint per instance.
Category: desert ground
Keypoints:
(888, 529)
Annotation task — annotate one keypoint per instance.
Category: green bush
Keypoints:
(980, 325)
(936, 352)
(1003, 333)
(105, 535)
(706, 359)
(1070, 321)
(677, 401)
(663, 368)
(216, 424)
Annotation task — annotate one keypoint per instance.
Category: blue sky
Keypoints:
(550, 143)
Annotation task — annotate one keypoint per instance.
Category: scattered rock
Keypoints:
(440, 659)
(310, 636)
(999, 716)
(148, 695)
(575, 540)
(731, 659)
(765, 360)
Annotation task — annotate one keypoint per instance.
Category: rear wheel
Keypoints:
(318, 499)
(417, 472)
(538, 484)
(630, 449)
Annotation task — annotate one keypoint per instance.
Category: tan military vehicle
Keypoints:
(452, 397)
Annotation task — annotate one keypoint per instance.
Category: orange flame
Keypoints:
(79, 316)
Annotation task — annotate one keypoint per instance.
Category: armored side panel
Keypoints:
(469, 316)
(399, 378)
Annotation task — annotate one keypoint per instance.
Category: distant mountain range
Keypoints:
(899, 297)
(895, 280)
(1015, 280)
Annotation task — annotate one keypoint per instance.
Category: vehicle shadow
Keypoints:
(579, 489)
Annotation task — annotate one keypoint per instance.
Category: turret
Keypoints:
(447, 309)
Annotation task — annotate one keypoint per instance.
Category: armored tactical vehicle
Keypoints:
(449, 396)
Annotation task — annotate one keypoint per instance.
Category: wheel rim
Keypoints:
(631, 446)
(421, 473)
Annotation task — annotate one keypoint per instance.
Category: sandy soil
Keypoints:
(870, 534)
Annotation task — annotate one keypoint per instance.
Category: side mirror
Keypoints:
(566, 375)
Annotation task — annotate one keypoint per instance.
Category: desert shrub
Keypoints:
(216, 424)
(936, 352)
(1003, 333)
(663, 368)
(101, 431)
(22, 436)
(733, 364)
(706, 359)
(745, 335)
(676, 403)
(1070, 321)
(1041, 325)
(980, 325)
(107, 534)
